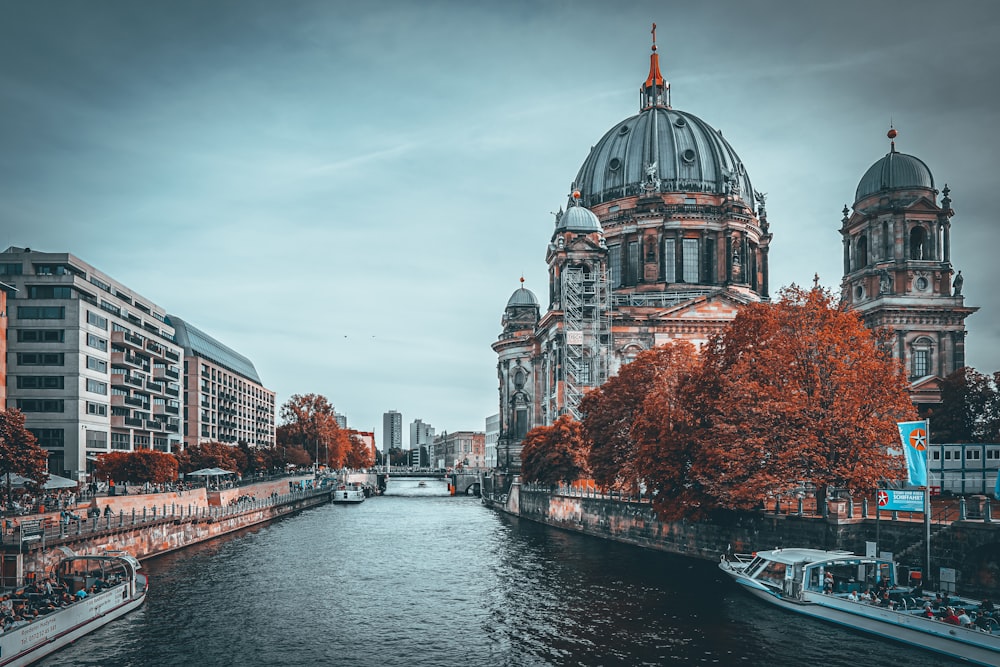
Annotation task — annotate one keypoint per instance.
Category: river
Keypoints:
(422, 579)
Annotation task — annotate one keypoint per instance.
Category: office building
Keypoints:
(392, 431)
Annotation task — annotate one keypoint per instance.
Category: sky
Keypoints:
(348, 193)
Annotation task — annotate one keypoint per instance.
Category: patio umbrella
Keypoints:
(55, 481)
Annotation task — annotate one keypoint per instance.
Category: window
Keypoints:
(861, 253)
(49, 292)
(98, 409)
(97, 320)
(100, 283)
(97, 342)
(40, 335)
(632, 263)
(96, 387)
(669, 260)
(40, 404)
(689, 249)
(992, 454)
(120, 441)
(40, 358)
(918, 243)
(40, 381)
(95, 364)
(920, 358)
(971, 454)
(97, 440)
(41, 312)
(11, 269)
(111, 308)
(48, 437)
(615, 264)
(936, 455)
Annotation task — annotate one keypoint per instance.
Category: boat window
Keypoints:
(755, 566)
(774, 573)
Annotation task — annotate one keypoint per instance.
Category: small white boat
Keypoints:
(349, 494)
(422, 484)
(117, 587)
(820, 584)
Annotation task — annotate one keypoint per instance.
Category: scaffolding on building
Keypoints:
(586, 334)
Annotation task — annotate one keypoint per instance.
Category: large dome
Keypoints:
(895, 171)
(690, 156)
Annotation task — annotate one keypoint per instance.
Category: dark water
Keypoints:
(430, 580)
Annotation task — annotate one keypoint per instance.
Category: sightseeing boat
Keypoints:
(349, 494)
(118, 588)
(823, 584)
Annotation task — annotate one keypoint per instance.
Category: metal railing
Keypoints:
(64, 530)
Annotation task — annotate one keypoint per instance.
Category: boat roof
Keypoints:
(799, 555)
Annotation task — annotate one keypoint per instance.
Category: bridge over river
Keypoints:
(463, 483)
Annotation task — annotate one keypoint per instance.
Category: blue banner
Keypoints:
(913, 435)
(900, 501)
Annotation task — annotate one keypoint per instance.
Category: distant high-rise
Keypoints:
(421, 434)
(341, 420)
(392, 431)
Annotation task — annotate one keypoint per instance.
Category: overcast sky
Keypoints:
(347, 193)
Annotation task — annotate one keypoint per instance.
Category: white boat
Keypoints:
(349, 493)
(797, 580)
(121, 588)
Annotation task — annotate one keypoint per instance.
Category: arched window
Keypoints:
(921, 357)
(886, 242)
(861, 253)
(918, 243)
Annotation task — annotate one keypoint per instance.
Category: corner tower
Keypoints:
(898, 272)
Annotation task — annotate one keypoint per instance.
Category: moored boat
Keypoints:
(831, 586)
(349, 493)
(112, 585)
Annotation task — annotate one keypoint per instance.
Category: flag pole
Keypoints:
(927, 506)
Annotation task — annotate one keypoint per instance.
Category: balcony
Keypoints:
(170, 391)
(118, 379)
(161, 373)
(155, 348)
(126, 338)
(133, 380)
(173, 428)
(154, 386)
(117, 421)
(172, 356)
(133, 360)
(173, 410)
(133, 422)
(153, 425)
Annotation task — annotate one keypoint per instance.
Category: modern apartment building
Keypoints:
(224, 399)
(491, 438)
(4, 287)
(392, 431)
(92, 364)
(421, 434)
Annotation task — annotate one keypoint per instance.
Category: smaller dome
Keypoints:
(895, 171)
(522, 297)
(578, 219)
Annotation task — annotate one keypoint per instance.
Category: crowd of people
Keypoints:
(984, 617)
(41, 598)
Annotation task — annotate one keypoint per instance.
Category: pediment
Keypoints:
(717, 306)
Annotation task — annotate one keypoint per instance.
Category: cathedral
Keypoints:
(664, 238)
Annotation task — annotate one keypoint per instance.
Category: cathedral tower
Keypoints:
(898, 272)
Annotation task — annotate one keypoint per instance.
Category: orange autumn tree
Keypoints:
(555, 453)
(662, 430)
(20, 453)
(360, 454)
(791, 392)
(142, 465)
(612, 411)
(311, 424)
(211, 455)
